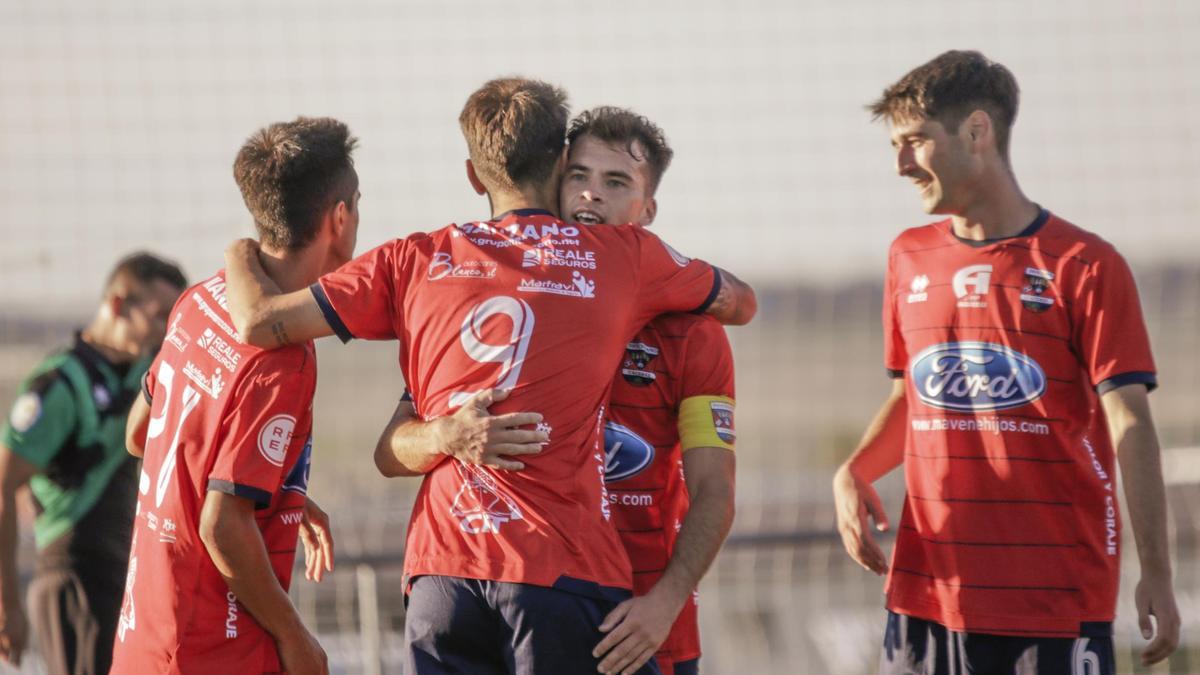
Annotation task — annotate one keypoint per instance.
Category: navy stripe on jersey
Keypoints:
(985, 587)
(261, 498)
(331, 316)
(1139, 377)
(712, 295)
(994, 544)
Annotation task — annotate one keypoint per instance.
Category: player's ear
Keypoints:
(978, 126)
(473, 177)
(649, 211)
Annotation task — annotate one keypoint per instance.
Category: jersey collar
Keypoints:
(516, 213)
(1038, 222)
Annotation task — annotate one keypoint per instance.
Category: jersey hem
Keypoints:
(1029, 626)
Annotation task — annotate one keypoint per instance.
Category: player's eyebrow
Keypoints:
(578, 167)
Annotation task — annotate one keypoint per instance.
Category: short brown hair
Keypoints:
(618, 125)
(949, 88)
(290, 173)
(515, 130)
(144, 268)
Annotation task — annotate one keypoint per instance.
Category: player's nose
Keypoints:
(590, 195)
(905, 163)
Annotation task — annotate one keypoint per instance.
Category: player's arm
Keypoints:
(410, 446)
(880, 450)
(236, 546)
(262, 315)
(735, 303)
(1132, 430)
(639, 626)
(136, 426)
(15, 473)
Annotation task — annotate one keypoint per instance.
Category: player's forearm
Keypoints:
(735, 304)
(136, 427)
(248, 292)
(1145, 495)
(10, 595)
(882, 446)
(704, 529)
(409, 446)
(236, 547)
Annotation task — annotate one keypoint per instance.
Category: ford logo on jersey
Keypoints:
(625, 453)
(976, 376)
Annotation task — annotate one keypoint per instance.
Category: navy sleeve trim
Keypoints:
(1137, 377)
(895, 374)
(261, 498)
(712, 295)
(406, 396)
(146, 389)
(331, 315)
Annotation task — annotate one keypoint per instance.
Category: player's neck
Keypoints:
(292, 270)
(102, 335)
(528, 198)
(998, 210)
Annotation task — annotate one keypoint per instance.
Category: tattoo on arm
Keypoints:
(281, 335)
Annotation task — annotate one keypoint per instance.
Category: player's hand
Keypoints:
(14, 634)
(241, 248)
(474, 436)
(1155, 597)
(636, 629)
(301, 654)
(317, 536)
(855, 500)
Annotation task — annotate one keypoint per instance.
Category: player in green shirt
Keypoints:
(65, 438)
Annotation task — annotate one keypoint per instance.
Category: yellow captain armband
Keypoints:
(706, 422)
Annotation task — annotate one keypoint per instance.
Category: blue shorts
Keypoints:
(686, 668)
(481, 627)
(913, 646)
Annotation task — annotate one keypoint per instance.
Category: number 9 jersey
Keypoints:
(529, 303)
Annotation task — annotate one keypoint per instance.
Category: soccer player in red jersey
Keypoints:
(507, 571)
(1021, 363)
(226, 432)
(670, 418)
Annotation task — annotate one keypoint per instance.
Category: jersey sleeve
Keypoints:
(270, 417)
(671, 282)
(706, 408)
(1109, 331)
(41, 419)
(895, 355)
(361, 298)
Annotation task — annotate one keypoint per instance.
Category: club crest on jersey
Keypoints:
(1033, 293)
(722, 417)
(626, 454)
(480, 505)
(976, 376)
(635, 367)
(297, 480)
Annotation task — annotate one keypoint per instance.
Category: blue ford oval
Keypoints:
(976, 376)
(625, 453)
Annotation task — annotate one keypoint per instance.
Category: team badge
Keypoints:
(1033, 293)
(722, 416)
(26, 411)
(274, 437)
(635, 368)
(102, 398)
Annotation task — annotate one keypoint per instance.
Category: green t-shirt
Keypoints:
(69, 422)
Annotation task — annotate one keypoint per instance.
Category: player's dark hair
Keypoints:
(515, 130)
(291, 173)
(144, 268)
(620, 126)
(951, 87)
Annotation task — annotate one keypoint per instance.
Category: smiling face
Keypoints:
(937, 161)
(606, 183)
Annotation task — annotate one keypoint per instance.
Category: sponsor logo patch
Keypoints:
(480, 505)
(177, 337)
(443, 267)
(626, 454)
(976, 376)
(212, 385)
(274, 437)
(971, 285)
(722, 416)
(580, 286)
(918, 286)
(550, 257)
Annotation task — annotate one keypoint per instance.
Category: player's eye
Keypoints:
(614, 183)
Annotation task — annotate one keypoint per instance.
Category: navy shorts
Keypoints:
(913, 646)
(686, 668)
(491, 627)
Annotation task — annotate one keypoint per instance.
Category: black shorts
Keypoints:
(691, 667)
(913, 646)
(74, 616)
(483, 627)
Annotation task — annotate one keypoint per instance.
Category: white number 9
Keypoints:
(510, 355)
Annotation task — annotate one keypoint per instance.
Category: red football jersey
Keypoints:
(676, 383)
(1010, 524)
(530, 303)
(226, 417)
